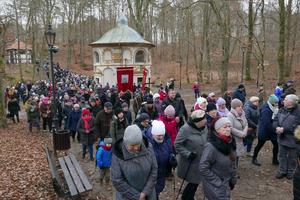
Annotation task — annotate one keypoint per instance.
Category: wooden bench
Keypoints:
(75, 178)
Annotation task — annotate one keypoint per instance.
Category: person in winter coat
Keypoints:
(150, 109)
(13, 109)
(161, 143)
(185, 113)
(239, 126)
(28, 103)
(211, 98)
(86, 128)
(200, 104)
(217, 166)
(33, 114)
(278, 92)
(289, 90)
(95, 108)
(46, 109)
(157, 103)
(142, 122)
(240, 93)
(285, 123)
(73, 119)
(66, 112)
(211, 113)
(222, 110)
(265, 129)
(189, 144)
(167, 117)
(296, 180)
(162, 94)
(120, 101)
(82, 104)
(118, 125)
(196, 89)
(104, 161)
(127, 113)
(131, 154)
(228, 97)
(137, 101)
(103, 121)
(252, 115)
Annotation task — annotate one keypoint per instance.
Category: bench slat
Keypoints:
(70, 183)
(81, 174)
(74, 175)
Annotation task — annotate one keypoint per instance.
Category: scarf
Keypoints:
(131, 152)
(239, 112)
(192, 124)
(211, 99)
(46, 104)
(158, 141)
(106, 147)
(120, 122)
(274, 110)
(226, 139)
(86, 122)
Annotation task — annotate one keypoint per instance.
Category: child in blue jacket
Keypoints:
(104, 161)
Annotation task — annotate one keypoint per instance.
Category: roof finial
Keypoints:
(122, 21)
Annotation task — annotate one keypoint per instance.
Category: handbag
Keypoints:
(44, 115)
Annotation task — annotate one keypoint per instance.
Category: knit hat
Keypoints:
(149, 101)
(133, 135)
(241, 86)
(279, 84)
(45, 99)
(178, 95)
(76, 106)
(118, 110)
(108, 140)
(211, 94)
(123, 97)
(82, 98)
(235, 103)
(254, 98)
(156, 95)
(211, 106)
(143, 117)
(85, 112)
(219, 123)
(273, 99)
(290, 81)
(170, 111)
(158, 128)
(221, 101)
(93, 100)
(201, 100)
(124, 105)
(108, 105)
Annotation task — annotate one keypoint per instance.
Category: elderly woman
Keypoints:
(217, 167)
(134, 168)
(118, 125)
(189, 144)
(222, 110)
(200, 104)
(86, 128)
(33, 114)
(162, 146)
(239, 126)
(143, 121)
(46, 113)
(73, 119)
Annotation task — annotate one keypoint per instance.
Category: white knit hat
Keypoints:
(156, 95)
(211, 94)
(158, 128)
(200, 100)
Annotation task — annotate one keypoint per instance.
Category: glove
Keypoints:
(192, 156)
(102, 167)
(174, 162)
(231, 185)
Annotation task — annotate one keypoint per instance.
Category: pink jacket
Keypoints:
(196, 88)
(170, 125)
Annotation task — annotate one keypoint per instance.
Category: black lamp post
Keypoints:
(50, 38)
(243, 50)
(179, 61)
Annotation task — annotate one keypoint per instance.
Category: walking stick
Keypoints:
(184, 178)
(174, 182)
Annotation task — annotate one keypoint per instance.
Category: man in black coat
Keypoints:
(172, 100)
(120, 101)
(185, 113)
(95, 108)
(114, 96)
(171, 86)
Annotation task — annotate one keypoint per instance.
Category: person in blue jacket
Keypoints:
(266, 131)
(278, 92)
(73, 119)
(240, 93)
(162, 146)
(104, 161)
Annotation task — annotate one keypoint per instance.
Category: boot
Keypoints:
(101, 181)
(39, 130)
(255, 162)
(30, 130)
(83, 155)
(18, 119)
(275, 162)
(107, 186)
(14, 120)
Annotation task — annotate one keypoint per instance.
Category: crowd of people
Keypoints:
(160, 135)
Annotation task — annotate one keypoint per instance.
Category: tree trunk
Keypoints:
(294, 40)
(207, 38)
(281, 49)
(250, 42)
(18, 36)
(288, 37)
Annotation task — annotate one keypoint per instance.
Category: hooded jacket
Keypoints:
(102, 124)
(33, 114)
(278, 92)
(170, 125)
(73, 119)
(237, 94)
(289, 90)
(103, 156)
(117, 129)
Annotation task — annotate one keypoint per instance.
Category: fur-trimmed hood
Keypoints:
(223, 146)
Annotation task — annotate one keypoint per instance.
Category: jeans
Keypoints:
(248, 144)
(287, 159)
(197, 95)
(37, 124)
(90, 149)
(261, 143)
(189, 191)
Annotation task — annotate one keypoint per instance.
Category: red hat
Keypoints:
(85, 112)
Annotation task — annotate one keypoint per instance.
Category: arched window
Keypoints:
(140, 56)
(96, 57)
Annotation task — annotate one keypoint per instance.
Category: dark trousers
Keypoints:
(13, 117)
(47, 121)
(189, 191)
(261, 143)
(287, 159)
(73, 134)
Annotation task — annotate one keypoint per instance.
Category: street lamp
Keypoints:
(50, 38)
(179, 61)
(243, 50)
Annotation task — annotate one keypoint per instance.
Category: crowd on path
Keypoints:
(160, 135)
